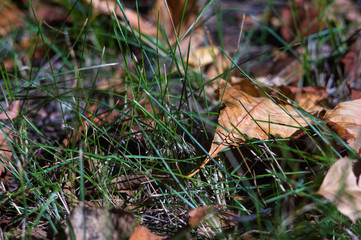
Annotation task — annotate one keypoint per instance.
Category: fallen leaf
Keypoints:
(5, 153)
(143, 233)
(5, 133)
(244, 116)
(287, 70)
(11, 112)
(311, 99)
(169, 13)
(202, 56)
(199, 214)
(217, 217)
(351, 61)
(342, 187)
(50, 12)
(355, 94)
(345, 120)
(11, 17)
(302, 23)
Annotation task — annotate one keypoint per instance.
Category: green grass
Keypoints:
(162, 130)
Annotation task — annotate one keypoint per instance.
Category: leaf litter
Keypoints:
(245, 114)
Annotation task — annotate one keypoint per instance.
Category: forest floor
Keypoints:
(180, 119)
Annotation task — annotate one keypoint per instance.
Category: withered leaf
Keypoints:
(12, 111)
(202, 56)
(221, 219)
(199, 214)
(5, 149)
(312, 99)
(143, 233)
(244, 116)
(11, 17)
(342, 187)
(5, 153)
(345, 120)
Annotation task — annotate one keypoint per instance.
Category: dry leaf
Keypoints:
(5, 149)
(143, 233)
(148, 25)
(11, 17)
(342, 187)
(51, 12)
(222, 220)
(303, 22)
(11, 112)
(244, 116)
(345, 120)
(355, 94)
(202, 56)
(199, 214)
(5, 153)
(107, 7)
(311, 99)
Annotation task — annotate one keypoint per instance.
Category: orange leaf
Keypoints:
(141, 232)
(342, 187)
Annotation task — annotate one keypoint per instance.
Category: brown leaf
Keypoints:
(202, 56)
(355, 94)
(5, 153)
(303, 22)
(11, 17)
(107, 7)
(199, 214)
(342, 187)
(345, 120)
(51, 13)
(12, 111)
(5, 149)
(220, 219)
(246, 116)
(311, 99)
(143, 233)
(148, 25)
